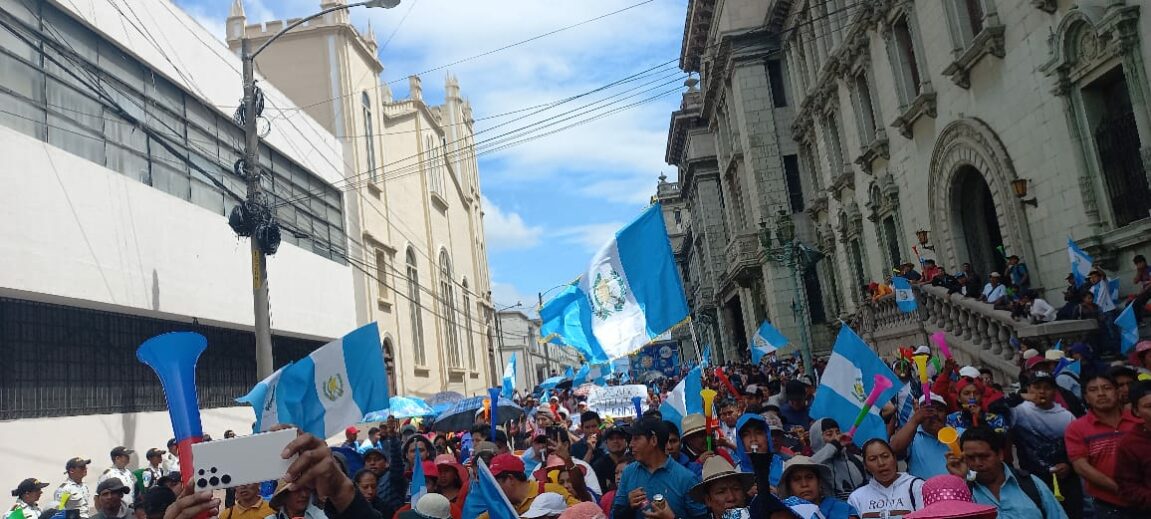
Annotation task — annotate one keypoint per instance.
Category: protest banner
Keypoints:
(615, 401)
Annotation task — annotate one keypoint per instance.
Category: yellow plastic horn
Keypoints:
(1055, 488)
(708, 396)
(921, 363)
(949, 436)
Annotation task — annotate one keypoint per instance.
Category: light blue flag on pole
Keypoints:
(1128, 328)
(1081, 262)
(904, 296)
(630, 294)
(1105, 293)
(767, 340)
(846, 383)
(484, 495)
(580, 377)
(684, 398)
(706, 361)
(509, 382)
(330, 389)
(418, 486)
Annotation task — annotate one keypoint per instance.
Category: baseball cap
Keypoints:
(935, 398)
(995, 275)
(923, 350)
(616, 431)
(351, 430)
(155, 452)
(506, 463)
(76, 463)
(122, 451)
(545, 504)
(1035, 361)
(751, 389)
(486, 446)
(28, 485)
(171, 443)
(113, 484)
(969, 371)
(1042, 376)
(171, 477)
(372, 450)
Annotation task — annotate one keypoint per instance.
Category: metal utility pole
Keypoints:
(547, 355)
(263, 318)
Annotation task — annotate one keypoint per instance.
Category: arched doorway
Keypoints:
(390, 366)
(975, 223)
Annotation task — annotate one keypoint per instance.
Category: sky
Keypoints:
(554, 200)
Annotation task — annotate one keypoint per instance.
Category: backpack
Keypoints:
(911, 492)
(1027, 484)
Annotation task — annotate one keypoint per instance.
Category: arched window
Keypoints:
(468, 325)
(369, 137)
(417, 320)
(448, 312)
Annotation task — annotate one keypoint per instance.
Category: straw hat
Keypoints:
(948, 496)
(804, 462)
(715, 469)
(692, 423)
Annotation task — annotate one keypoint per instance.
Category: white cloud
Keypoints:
(507, 230)
(591, 237)
(212, 21)
(507, 294)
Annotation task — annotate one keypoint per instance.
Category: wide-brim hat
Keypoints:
(804, 462)
(692, 424)
(946, 497)
(715, 469)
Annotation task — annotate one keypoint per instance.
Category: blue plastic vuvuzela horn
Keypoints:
(173, 357)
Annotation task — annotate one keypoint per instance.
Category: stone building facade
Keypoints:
(413, 196)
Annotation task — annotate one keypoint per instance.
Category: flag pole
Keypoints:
(695, 340)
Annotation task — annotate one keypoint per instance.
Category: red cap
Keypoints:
(506, 463)
(351, 430)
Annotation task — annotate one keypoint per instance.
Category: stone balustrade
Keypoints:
(976, 333)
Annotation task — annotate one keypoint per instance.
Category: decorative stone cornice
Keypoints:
(1087, 38)
(923, 104)
(989, 41)
(879, 147)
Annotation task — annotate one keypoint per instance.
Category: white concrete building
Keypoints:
(415, 220)
(117, 133)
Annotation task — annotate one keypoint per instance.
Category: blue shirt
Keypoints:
(927, 456)
(1013, 503)
(672, 480)
(833, 508)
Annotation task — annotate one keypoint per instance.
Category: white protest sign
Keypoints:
(615, 401)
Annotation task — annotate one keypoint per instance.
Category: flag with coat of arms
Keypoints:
(330, 389)
(846, 383)
(767, 340)
(904, 296)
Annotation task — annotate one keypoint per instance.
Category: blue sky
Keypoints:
(550, 203)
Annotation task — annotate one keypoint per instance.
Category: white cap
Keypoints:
(545, 504)
(969, 371)
(934, 398)
(435, 506)
(923, 350)
(1030, 352)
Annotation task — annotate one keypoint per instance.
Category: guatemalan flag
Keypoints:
(904, 296)
(766, 340)
(1080, 262)
(630, 294)
(328, 390)
(1128, 328)
(846, 383)
(684, 398)
(509, 381)
(485, 495)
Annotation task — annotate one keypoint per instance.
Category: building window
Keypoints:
(864, 110)
(814, 292)
(415, 310)
(369, 138)
(448, 311)
(834, 144)
(891, 241)
(776, 82)
(966, 21)
(794, 188)
(382, 273)
(904, 62)
(468, 325)
(858, 270)
(1111, 120)
(738, 216)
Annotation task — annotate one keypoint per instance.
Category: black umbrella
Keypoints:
(462, 415)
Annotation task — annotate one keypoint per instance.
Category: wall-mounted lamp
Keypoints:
(1019, 186)
(922, 236)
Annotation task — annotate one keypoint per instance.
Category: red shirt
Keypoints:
(1089, 438)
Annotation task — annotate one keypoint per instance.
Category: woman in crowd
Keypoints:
(811, 481)
(890, 493)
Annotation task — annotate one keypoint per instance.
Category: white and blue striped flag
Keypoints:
(630, 294)
(766, 340)
(330, 389)
(904, 296)
(684, 398)
(846, 383)
(1128, 328)
(1081, 262)
(1106, 293)
(509, 381)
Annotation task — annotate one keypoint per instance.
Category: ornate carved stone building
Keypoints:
(998, 127)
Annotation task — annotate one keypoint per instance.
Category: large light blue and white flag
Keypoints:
(326, 391)
(509, 382)
(766, 340)
(846, 383)
(580, 377)
(630, 294)
(1128, 328)
(485, 495)
(904, 296)
(1081, 262)
(684, 398)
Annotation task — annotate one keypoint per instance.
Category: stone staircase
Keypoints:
(977, 334)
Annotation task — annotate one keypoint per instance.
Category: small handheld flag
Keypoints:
(1128, 328)
(904, 296)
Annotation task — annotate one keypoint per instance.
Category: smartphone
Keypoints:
(737, 513)
(242, 460)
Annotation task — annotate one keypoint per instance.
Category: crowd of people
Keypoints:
(1048, 447)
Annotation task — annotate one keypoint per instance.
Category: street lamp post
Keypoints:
(257, 209)
(790, 253)
(500, 340)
